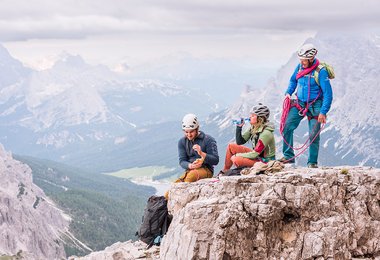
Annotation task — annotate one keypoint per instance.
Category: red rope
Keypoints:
(286, 106)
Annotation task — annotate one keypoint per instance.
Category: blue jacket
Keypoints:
(188, 155)
(302, 90)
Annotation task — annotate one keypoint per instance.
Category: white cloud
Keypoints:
(106, 31)
(22, 20)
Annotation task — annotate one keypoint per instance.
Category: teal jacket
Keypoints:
(303, 88)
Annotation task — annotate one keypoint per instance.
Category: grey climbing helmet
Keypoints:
(261, 110)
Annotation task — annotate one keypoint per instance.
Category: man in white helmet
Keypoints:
(313, 100)
(197, 152)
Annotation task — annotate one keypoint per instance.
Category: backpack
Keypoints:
(329, 68)
(155, 222)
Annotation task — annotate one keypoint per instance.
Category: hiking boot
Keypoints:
(284, 160)
(312, 165)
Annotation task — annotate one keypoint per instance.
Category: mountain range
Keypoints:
(99, 119)
(77, 107)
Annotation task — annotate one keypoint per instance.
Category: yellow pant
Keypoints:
(192, 176)
(195, 175)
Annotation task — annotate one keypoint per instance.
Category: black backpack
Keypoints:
(155, 222)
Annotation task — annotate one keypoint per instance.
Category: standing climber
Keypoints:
(197, 151)
(261, 135)
(313, 99)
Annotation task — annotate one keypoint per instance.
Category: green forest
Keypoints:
(104, 209)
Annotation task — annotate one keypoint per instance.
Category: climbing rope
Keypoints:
(286, 106)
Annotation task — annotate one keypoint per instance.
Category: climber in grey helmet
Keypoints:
(261, 110)
(197, 152)
(260, 134)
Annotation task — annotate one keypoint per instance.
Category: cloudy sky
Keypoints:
(134, 31)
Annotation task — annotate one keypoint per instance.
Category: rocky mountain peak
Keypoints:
(295, 214)
(31, 225)
(298, 213)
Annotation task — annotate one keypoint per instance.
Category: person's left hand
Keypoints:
(322, 118)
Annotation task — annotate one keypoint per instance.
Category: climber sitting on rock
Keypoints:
(197, 151)
(261, 135)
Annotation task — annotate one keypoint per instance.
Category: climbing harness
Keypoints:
(286, 106)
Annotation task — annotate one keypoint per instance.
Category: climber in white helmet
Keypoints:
(197, 152)
(310, 81)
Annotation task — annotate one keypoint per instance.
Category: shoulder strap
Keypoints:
(316, 73)
(320, 66)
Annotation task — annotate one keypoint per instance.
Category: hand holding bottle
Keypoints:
(240, 122)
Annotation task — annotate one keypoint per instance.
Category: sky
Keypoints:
(132, 32)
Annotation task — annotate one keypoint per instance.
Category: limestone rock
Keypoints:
(329, 213)
(30, 224)
(123, 251)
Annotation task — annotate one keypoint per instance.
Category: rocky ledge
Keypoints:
(123, 251)
(326, 213)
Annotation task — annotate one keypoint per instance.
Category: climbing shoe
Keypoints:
(284, 160)
(312, 165)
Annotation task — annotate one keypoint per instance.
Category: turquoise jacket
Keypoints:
(302, 85)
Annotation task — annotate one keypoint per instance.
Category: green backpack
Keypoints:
(329, 68)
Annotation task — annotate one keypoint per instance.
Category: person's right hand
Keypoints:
(241, 125)
(195, 164)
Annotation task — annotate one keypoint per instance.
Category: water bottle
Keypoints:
(240, 121)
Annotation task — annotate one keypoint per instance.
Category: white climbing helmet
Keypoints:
(307, 51)
(190, 122)
(261, 110)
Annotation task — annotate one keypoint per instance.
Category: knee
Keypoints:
(232, 146)
(289, 127)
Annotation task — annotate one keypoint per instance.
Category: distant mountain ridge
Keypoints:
(76, 113)
(74, 106)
